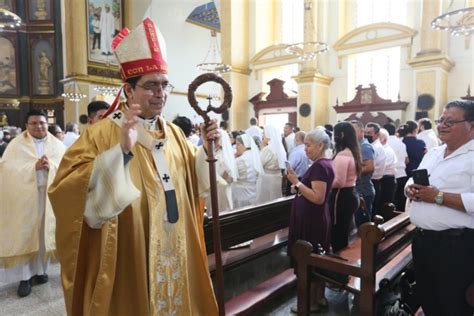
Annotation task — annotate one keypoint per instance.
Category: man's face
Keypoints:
(37, 126)
(454, 133)
(97, 116)
(370, 134)
(149, 94)
(287, 130)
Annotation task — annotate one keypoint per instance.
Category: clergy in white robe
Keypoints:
(226, 174)
(27, 223)
(249, 168)
(273, 157)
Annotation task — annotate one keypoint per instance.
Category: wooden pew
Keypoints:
(250, 222)
(372, 261)
(267, 226)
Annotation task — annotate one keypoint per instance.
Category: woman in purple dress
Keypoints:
(310, 219)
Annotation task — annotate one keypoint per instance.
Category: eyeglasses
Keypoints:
(449, 123)
(153, 87)
(37, 123)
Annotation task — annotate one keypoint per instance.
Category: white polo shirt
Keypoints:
(379, 160)
(400, 150)
(453, 174)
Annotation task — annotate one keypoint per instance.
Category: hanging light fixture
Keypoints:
(456, 22)
(9, 20)
(207, 16)
(308, 50)
(75, 95)
(212, 62)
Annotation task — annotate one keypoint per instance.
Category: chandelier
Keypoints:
(75, 95)
(212, 62)
(307, 50)
(107, 90)
(9, 19)
(457, 22)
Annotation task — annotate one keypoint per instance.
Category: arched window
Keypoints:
(380, 67)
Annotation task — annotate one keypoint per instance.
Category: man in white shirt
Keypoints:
(427, 134)
(443, 247)
(289, 136)
(400, 150)
(372, 132)
(388, 182)
(27, 222)
(72, 134)
(254, 130)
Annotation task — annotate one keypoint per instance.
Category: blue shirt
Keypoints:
(363, 184)
(299, 161)
(415, 150)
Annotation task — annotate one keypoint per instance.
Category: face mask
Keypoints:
(369, 138)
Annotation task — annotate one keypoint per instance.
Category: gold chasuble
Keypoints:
(19, 219)
(136, 263)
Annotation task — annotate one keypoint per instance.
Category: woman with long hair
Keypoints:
(344, 199)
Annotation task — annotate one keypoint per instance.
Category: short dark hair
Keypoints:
(390, 127)
(35, 113)
(375, 126)
(402, 130)
(329, 127)
(411, 126)
(132, 82)
(290, 124)
(253, 121)
(95, 106)
(53, 129)
(425, 122)
(185, 124)
(466, 105)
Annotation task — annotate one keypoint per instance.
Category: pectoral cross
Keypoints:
(159, 145)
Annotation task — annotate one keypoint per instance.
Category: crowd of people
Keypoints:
(122, 205)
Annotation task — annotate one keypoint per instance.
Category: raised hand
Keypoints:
(129, 130)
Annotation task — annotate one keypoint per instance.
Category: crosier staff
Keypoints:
(216, 233)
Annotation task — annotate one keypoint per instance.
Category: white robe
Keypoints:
(29, 216)
(107, 30)
(269, 183)
(244, 190)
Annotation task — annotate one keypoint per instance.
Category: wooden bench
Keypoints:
(372, 261)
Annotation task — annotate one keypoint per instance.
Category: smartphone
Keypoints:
(288, 165)
(420, 176)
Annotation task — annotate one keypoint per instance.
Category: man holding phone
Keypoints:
(443, 247)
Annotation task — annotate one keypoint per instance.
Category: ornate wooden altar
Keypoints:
(275, 100)
(367, 101)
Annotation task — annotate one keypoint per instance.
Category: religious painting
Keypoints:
(42, 66)
(7, 5)
(104, 21)
(8, 66)
(40, 10)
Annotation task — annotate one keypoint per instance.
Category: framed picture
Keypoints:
(42, 61)
(40, 11)
(8, 65)
(104, 21)
(7, 4)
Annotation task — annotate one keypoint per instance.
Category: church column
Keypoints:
(313, 87)
(431, 65)
(75, 61)
(235, 52)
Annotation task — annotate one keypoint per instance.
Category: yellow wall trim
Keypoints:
(373, 34)
(440, 60)
(313, 77)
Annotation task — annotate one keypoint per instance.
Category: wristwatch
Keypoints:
(298, 184)
(439, 198)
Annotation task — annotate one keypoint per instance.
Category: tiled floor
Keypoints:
(44, 300)
(47, 300)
